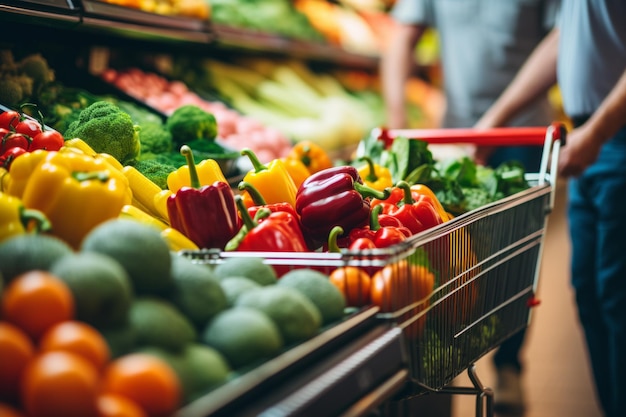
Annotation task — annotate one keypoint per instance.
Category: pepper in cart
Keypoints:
(206, 214)
(334, 197)
(259, 202)
(269, 231)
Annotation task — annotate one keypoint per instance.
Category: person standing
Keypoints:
(586, 55)
(483, 43)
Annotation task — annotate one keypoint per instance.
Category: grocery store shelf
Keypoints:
(253, 40)
(113, 22)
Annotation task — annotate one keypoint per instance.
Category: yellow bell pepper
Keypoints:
(144, 190)
(374, 175)
(15, 219)
(296, 169)
(21, 169)
(312, 155)
(160, 204)
(209, 171)
(135, 213)
(4, 179)
(177, 241)
(272, 181)
(76, 192)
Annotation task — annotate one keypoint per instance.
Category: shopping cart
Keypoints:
(460, 289)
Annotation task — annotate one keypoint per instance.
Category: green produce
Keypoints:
(100, 285)
(251, 268)
(155, 139)
(25, 252)
(196, 291)
(107, 129)
(243, 335)
(295, 315)
(22, 81)
(139, 248)
(121, 339)
(157, 322)
(199, 367)
(316, 287)
(156, 169)
(235, 286)
(189, 123)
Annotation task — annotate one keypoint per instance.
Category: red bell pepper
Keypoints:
(415, 214)
(207, 214)
(380, 236)
(267, 232)
(334, 197)
(259, 202)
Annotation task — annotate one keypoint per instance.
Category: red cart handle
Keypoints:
(500, 136)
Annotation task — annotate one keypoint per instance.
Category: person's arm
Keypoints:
(396, 65)
(532, 81)
(584, 143)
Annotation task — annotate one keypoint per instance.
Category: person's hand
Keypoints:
(481, 154)
(581, 150)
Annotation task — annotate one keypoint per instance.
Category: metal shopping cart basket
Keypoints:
(460, 289)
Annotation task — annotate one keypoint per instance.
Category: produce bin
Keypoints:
(480, 269)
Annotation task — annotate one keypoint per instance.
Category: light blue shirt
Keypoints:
(483, 43)
(592, 52)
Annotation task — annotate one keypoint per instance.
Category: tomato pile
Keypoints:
(21, 133)
(54, 365)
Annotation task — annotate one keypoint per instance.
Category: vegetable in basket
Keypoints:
(374, 175)
(334, 197)
(206, 214)
(383, 231)
(268, 231)
(312, 155)
(417, 214)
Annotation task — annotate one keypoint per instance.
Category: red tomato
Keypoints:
(28, 127)
(9, 118)
(14, 140)
(50, 140)
(7, 158)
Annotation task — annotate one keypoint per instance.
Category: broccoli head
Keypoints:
(107, 129)
(155, 170)
(155, 138)
(190, 122)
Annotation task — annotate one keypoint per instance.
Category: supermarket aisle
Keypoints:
(557, 377)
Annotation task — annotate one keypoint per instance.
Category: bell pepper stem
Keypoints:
(256, 164)
(335, 232)
(256, 196)
(40, 221)
(248, 221)
(306, 155)
(407, 196)
(193, 171)
(367, 191)
(374, 222)
(101, 176)
(371, 176)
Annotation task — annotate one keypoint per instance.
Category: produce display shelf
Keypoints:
(57, 13)
(256, 41)
(320, 376)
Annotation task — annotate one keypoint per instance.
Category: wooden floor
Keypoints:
(556, 380)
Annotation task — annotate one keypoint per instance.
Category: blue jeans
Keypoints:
(597, 223)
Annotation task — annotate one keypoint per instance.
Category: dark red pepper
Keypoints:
(334, 197)
(380, 236)
(268, 232)
(207, 215)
